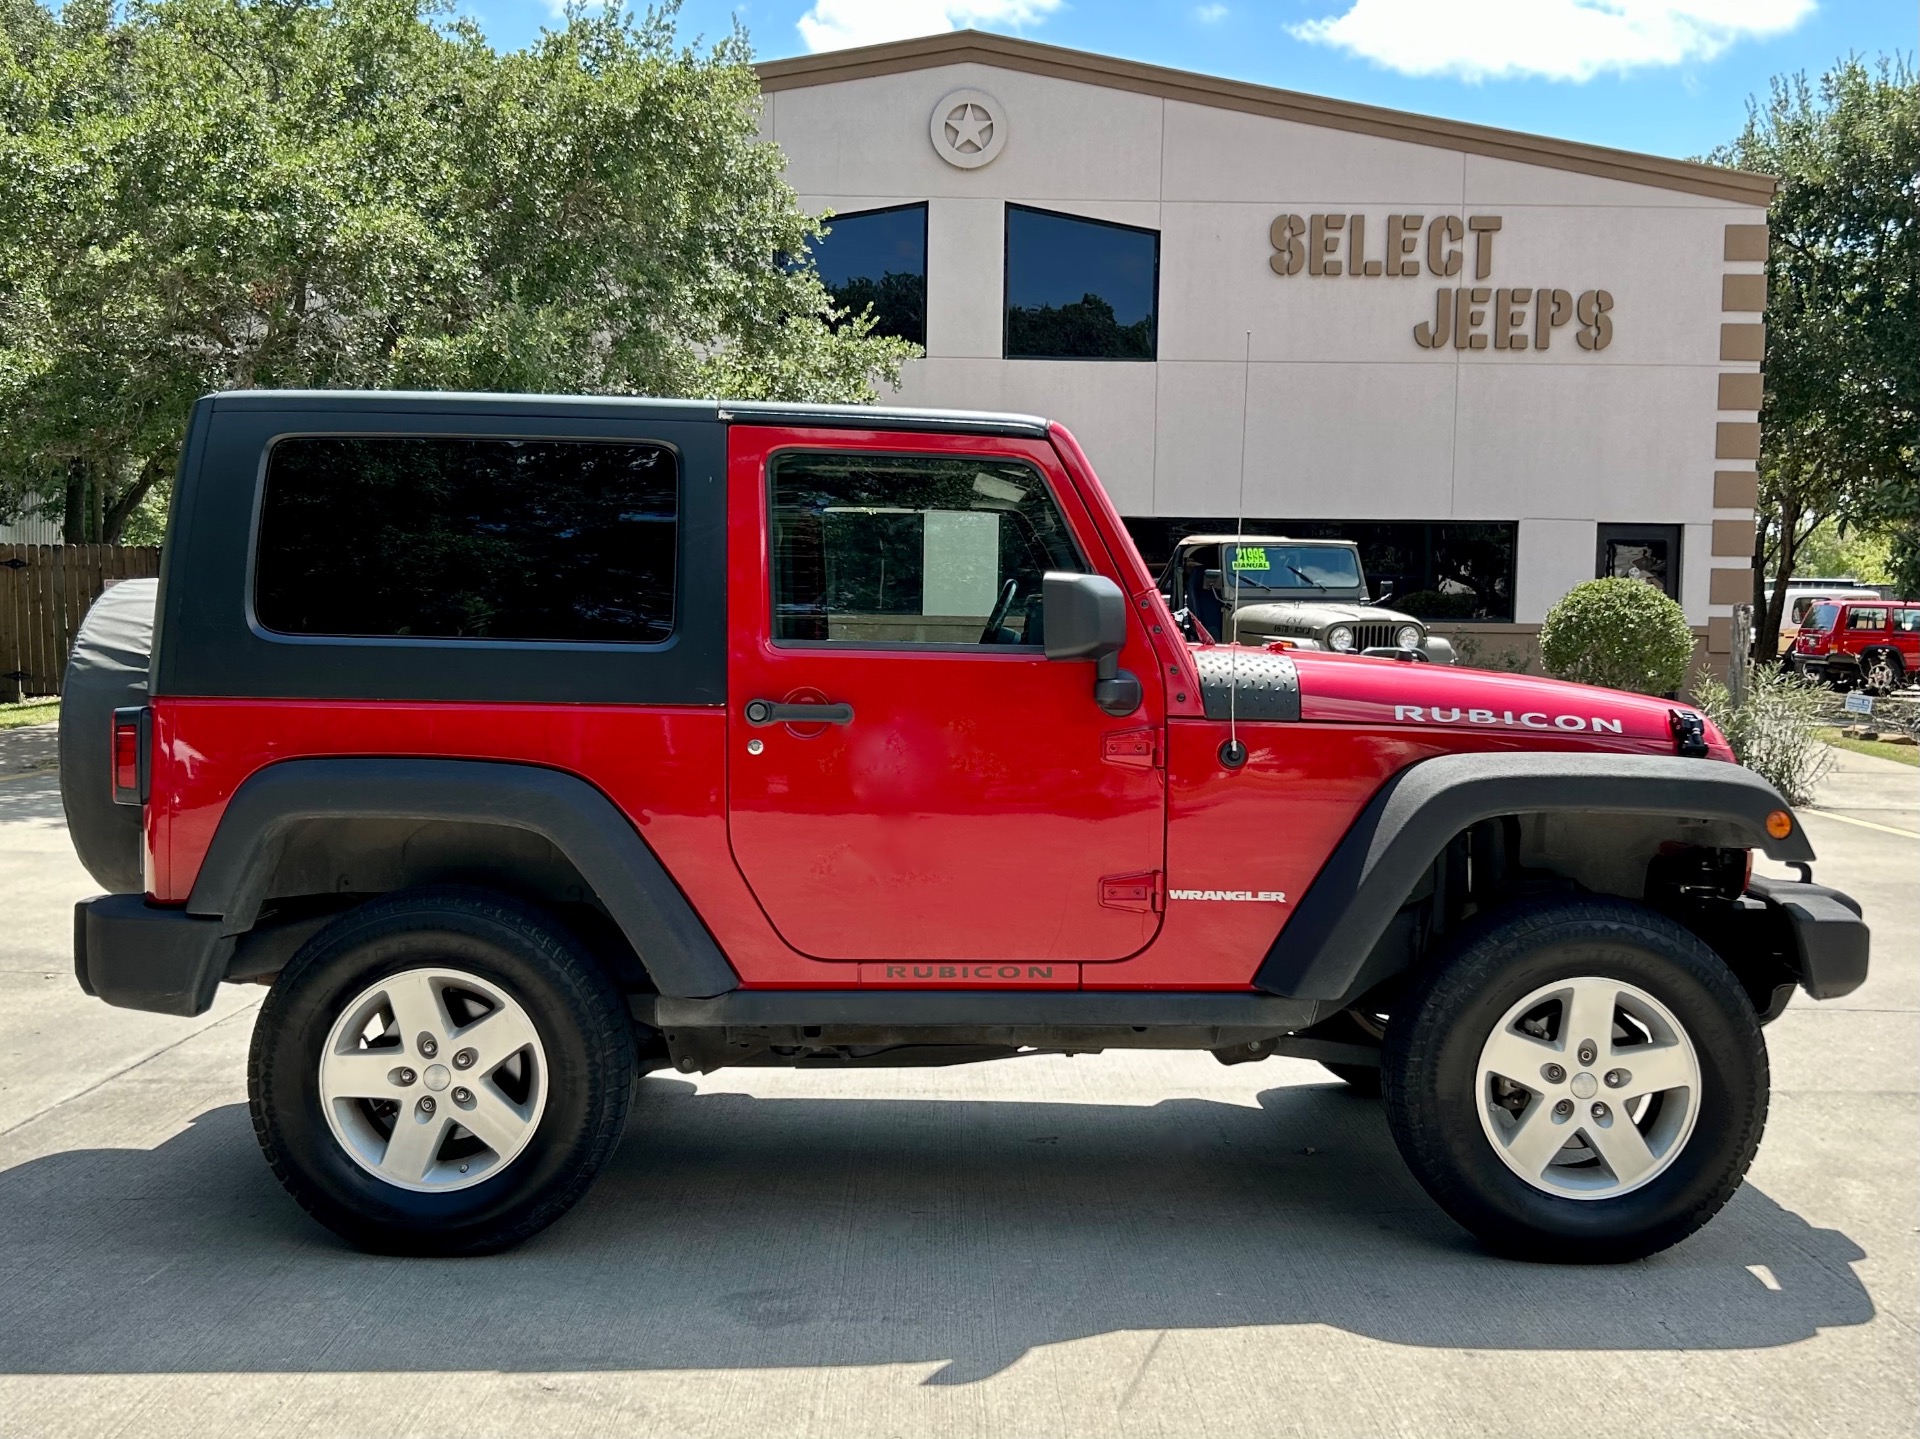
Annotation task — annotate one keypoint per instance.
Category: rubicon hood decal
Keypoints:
(1343, 689)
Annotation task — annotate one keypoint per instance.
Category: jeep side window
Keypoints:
(476, 539)
(873, 549)
(1906, 621)
(1873, 619)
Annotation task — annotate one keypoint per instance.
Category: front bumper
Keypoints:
(140, 956)
(1827, 949)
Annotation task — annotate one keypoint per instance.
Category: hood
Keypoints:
(1319, 612)
(1353, 689)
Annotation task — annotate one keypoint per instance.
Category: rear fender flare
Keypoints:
(1323, 950)
(680, 956)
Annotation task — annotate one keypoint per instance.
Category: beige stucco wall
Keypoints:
(1340, 414)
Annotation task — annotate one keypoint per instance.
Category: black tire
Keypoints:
(1876, 682)
(578, 1015)
(1431, 1063)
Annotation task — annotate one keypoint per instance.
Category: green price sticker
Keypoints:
(1250, 557)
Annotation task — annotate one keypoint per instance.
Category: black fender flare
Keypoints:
(680, 956)
(1321, 952)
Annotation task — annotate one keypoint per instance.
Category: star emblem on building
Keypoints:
(969, 128)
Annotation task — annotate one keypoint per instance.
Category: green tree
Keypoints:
(1842, 403)
(207, 194)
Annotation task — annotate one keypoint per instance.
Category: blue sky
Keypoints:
(1670, 77)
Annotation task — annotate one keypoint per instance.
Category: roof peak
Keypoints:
(957, 47)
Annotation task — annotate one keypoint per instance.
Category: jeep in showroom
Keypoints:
(522, 745)
(1291, 594)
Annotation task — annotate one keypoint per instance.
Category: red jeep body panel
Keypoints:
(980, 822)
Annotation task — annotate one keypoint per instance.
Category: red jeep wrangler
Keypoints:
(1873, 644)
(524, 745)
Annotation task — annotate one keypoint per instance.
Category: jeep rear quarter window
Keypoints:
(1867, 619)
(912, 550)
(464, 538)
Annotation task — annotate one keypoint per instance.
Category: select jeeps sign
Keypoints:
(1466, 317)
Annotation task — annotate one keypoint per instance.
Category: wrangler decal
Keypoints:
(1526, 719)
(1243, 896)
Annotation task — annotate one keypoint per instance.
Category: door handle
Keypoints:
(761, 713)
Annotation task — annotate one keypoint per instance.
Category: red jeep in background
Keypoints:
(521, 745)
(1872, 644)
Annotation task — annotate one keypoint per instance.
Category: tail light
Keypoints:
(132, 733)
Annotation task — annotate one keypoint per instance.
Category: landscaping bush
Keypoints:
(1772, 732)
(1622, 634)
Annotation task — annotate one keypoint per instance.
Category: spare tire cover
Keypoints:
(107, 669)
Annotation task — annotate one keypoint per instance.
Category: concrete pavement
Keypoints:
(1122, 1244)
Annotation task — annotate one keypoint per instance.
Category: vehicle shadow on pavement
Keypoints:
(739, 1232)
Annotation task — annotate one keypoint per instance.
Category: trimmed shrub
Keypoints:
(1620, 634)
(1772, 733)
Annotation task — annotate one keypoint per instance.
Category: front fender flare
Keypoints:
(680, 956)
(1321, 952)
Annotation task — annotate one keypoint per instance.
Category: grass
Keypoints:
(36, 711)
(1904, 753)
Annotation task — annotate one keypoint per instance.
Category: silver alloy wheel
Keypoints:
(1588, 1088)
(433, 1079)
(1880, 675)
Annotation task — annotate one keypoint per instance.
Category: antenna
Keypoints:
(1233, 754)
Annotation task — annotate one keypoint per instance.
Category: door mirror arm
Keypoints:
(1115, 690)
(1087, 620)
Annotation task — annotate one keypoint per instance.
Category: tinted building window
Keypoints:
(1080, 289)
(468, 539)
(1648, 553)
(891, 550)
(1437, 570)
(878, 258)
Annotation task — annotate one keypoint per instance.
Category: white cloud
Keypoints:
(836, 24)
(1207, 14)
(1554, 39)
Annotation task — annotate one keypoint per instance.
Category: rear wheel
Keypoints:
(1580, 1081)
(1882, 673)
(441, 1071)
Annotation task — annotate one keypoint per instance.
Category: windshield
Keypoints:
(1822, 617)
(1291, 567)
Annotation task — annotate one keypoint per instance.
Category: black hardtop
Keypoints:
(639, 408)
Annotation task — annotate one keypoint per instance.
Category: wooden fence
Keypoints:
(45, 591)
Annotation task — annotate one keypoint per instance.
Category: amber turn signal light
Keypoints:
(1779, 824)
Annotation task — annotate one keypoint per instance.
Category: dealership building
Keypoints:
(1503, 363)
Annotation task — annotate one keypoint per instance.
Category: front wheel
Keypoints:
(441, 1071)
(1579, 1081)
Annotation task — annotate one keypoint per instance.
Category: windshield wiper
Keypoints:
(1307, 577)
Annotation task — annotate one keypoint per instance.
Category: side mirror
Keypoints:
(1087, 620)
(1086, 616)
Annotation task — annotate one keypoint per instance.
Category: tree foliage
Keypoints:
(1620, 634)
(1841, 416)
(206, 194)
